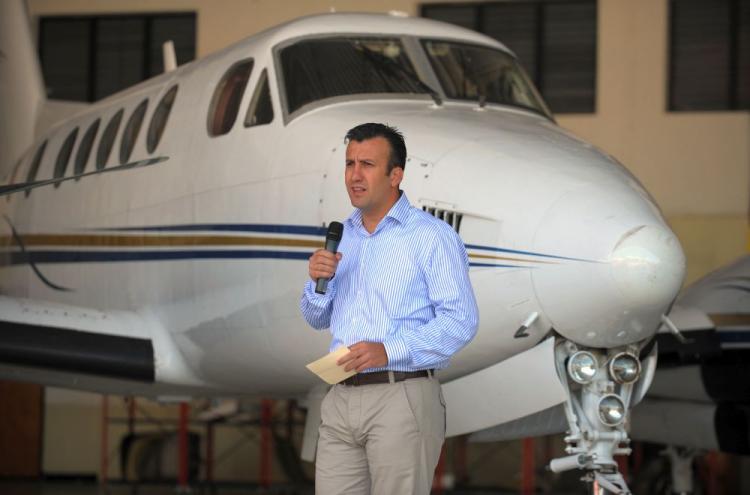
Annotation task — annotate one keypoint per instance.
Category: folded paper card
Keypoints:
(327, 369)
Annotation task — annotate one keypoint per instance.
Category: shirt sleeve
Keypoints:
(316, 308)
(456, 314)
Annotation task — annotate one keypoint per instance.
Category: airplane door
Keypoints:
(335, 204)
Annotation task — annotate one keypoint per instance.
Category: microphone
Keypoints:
(333, 237)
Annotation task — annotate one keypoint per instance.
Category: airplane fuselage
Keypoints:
(210, 247)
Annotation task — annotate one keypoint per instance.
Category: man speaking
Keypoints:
(400, 299)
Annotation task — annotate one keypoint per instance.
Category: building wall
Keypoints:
(696, 164)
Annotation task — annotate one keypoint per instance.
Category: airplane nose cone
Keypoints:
(648, 265)
(618, 269)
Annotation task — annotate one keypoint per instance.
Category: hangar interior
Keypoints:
(661, 85)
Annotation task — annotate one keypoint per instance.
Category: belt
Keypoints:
(383, 377)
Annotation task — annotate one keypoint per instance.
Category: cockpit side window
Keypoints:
(108, 139)
(225, 104)
(34, 168)
(159, 119)
(64, 156)
(130, 134)
(314, 69)
(482, 74)
(260, 111)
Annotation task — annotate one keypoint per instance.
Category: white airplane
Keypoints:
(155, 244)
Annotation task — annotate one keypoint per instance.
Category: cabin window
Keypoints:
(34, 168)
(159, 119)
(260, 111)
(64, 156)
(225, 103)
(108, 139)
(324, 68)
(130, 135)
(84, 149)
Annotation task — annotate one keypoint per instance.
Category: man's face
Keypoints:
(371, 188)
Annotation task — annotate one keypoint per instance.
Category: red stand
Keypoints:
(182, 475)
(104, 453)
(266, 442)
(527, 469)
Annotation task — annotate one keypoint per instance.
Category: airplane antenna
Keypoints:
(170, 58)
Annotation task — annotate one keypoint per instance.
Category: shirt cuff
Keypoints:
(319, 300)
(397, 351)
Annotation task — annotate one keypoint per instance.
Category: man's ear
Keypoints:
(397, 175)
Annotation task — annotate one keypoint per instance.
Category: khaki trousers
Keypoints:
(382, 439)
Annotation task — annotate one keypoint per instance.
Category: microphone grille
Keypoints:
(335, 231)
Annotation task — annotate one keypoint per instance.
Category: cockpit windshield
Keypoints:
(482, 74)
(315, 69)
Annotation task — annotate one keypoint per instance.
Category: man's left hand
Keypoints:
(364, 355)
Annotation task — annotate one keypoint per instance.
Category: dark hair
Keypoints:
(394, 137)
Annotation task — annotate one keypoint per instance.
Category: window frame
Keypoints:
(35, 165)
(115, 121)
(218, 92)
(407, 45)
(148, 17)
(135, 122)
(86, 144)
(153, 138)
(544, 111)
(539, 37)
(263, 81)
(733, 72)
(63, 156)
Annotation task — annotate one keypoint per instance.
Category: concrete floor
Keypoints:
(88, 488)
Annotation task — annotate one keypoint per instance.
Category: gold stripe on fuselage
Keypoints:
(89, 240)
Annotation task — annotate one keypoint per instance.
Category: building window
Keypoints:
(130, 134)
(86, 58)
(159, 119)
(555, 41)
(709, 55)
(225, 103)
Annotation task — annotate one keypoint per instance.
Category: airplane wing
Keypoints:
(699, 397)
(27, 186)
(104, 351)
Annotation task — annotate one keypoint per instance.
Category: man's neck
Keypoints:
(371, 220)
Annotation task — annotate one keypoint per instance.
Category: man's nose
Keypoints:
(357, 171)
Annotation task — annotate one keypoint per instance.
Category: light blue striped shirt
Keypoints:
(405, 285)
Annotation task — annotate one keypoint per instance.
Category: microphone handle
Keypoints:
(322, 284)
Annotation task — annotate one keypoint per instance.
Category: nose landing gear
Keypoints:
(600, 386)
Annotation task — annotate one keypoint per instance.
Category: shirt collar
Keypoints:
(399, 212)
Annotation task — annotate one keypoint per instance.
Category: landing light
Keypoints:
(624, 368)
(611, 410)
(582, 367)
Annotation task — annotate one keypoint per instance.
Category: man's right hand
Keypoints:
(323, 264)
